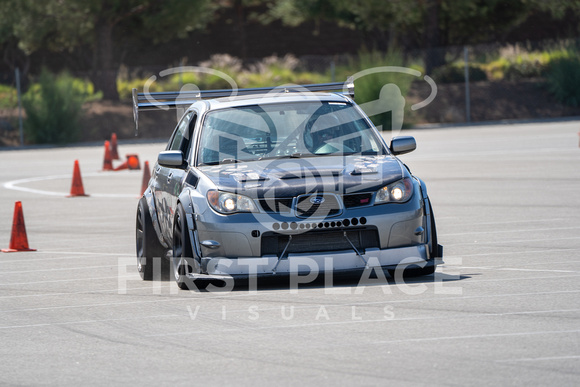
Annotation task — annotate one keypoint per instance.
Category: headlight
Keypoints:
(397, 192)
(229, 203)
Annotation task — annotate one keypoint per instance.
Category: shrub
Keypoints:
(125, 87)
(53, 108)
(270, 71)
(526, 67)
(515, 66)
(455, 73)
(496, 69)
(176, 81)
(563, 80)
(85, 90)
(274, 71)
(8, 97)
(368, 87)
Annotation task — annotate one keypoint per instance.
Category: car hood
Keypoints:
(296, 176)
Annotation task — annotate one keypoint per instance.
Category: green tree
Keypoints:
(101, 24)
(428, 24)
(557, 8)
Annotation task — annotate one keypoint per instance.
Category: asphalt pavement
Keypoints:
(503, 310)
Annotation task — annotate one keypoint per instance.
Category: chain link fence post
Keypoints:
(467, 96)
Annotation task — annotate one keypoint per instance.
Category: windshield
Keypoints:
(271, 131)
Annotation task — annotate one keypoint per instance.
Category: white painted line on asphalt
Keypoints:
(449, 218)
(58, 281)
(568, 262)
(506, 231)
(473, 281)
(537, 270)
(27, 260)
(482, 336)
(513, 269)
(511, 253)
(348, 322)
(483, 243)
(107, 304)
(463, 298)
(470, 282)
(230, 296)
(519, 221)
(315, 324)
(85, 322)
(53, 269)
(83, 292)
(156, 286)
(539, 359)
(15, 185)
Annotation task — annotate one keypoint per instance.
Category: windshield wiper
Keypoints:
(296, 155)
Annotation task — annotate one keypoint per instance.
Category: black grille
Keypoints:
(320, 241)
(277, 205)
(317, 206)
(357, 200)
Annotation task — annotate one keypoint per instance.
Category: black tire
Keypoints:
(184, 260)
(149, 249)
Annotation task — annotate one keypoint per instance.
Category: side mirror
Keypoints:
(171, 159)
(403, 144)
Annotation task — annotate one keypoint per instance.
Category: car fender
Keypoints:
(185, 200)
(150, 199)
(426, 210)
(424, 197)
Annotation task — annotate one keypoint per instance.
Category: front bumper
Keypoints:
(248, 235)
(266, 244)
(317, 263)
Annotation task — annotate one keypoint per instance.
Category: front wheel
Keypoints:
(150, 252)
(183, 261)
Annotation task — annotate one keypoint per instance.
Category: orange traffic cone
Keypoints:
(121, 167)
(146, 177)
(77, 188)
(108, 161)
(18, 239)
(131, 163)
(114, 151)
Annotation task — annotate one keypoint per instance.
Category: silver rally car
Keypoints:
(280, 181)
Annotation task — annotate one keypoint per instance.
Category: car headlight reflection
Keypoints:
(397, 192)
(229, 203)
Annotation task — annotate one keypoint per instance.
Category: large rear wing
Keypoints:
(174, 99)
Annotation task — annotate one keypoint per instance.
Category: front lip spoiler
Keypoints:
(337, 261)
(201, 281)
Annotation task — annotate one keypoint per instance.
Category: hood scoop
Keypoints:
(246, 177)
(309, 172)
(367, 166)
(364, 170)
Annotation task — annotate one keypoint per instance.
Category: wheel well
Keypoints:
(150, 207)
(191, 226)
